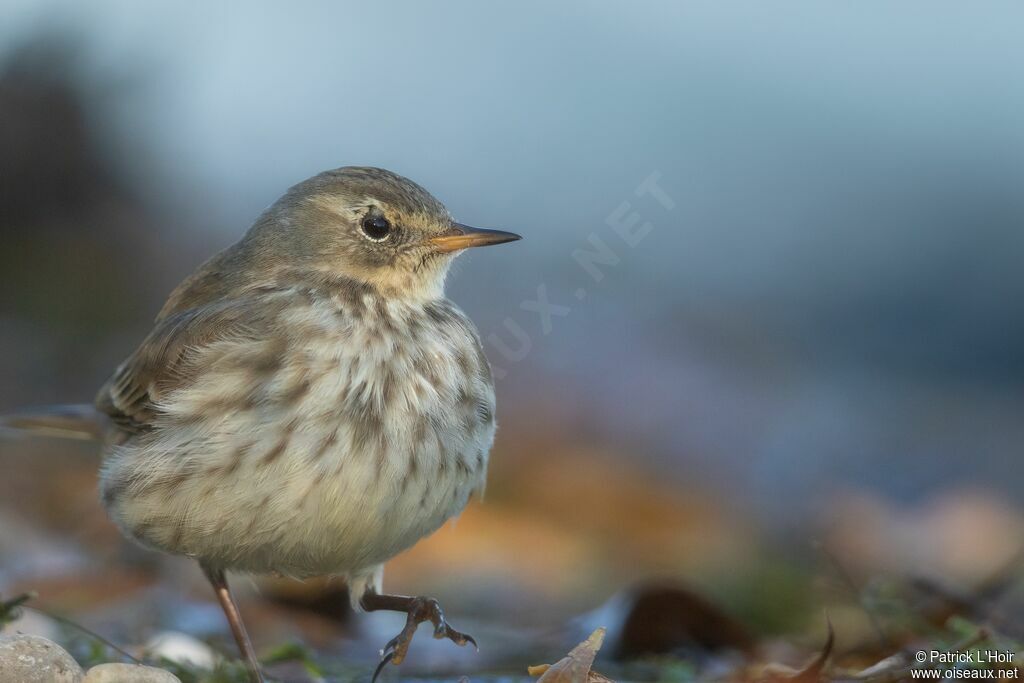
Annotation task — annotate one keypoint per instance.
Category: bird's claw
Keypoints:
(390, 647)
(457, 637)
(421, 610)
(386, 657)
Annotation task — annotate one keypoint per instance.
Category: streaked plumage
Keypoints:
(306, 431)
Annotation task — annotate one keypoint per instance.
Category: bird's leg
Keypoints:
(419, 610)
(227, 603)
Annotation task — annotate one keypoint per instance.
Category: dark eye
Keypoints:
(377, 228)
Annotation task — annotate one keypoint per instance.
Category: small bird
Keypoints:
(308, 402)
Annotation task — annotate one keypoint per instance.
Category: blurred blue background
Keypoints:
(836, 292)
(831, 307)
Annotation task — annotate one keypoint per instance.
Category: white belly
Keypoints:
(358, 448)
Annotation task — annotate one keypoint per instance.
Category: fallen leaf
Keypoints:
(812, 673)
(574, 668)
(663, 618)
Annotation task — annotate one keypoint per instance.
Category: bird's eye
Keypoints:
(377, 228)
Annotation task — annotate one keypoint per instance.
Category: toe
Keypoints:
(392, 644)
(456, 637)
(385, 660)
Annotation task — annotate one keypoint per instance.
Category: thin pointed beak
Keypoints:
(464, 237)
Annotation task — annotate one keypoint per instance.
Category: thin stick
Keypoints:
(83, 629)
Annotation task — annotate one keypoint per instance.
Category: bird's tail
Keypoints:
(78, 421)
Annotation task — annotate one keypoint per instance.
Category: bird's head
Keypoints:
(370, 225)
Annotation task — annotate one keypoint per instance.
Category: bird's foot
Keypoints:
(419, 610)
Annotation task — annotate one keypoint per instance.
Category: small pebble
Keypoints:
(128, 673)
(181, 648)
(34, 659)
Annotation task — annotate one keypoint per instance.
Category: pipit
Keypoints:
(308, 403)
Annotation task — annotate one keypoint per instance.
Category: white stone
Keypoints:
(181, 648)
(33, 659)
(128, 673)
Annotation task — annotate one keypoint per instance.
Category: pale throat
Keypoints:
(413, 286)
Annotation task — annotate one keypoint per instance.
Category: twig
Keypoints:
(89, 632)
(9, 608)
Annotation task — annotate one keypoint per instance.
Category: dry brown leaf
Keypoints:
(812, 673)
(665, 617)
(574, 668)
